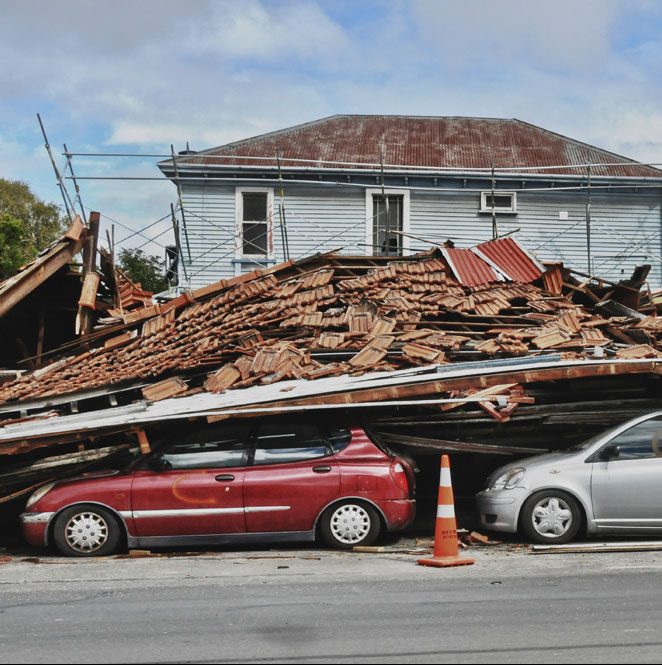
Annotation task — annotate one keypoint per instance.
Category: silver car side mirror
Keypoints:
(610, 452)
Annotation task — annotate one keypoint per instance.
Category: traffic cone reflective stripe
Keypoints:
(446, 550)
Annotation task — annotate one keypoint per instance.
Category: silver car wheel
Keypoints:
(86, 532)
(551, 517)
(350, 523)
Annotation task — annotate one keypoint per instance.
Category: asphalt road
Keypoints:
(312, 606)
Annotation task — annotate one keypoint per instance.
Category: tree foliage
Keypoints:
(27, 225)
(146, 269)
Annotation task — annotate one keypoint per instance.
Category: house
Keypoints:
(399, 184)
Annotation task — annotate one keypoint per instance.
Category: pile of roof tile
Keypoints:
(333, 315)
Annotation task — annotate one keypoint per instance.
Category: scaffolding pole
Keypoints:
(495, 228)
(68, 204)
(178, 244)
(181, 203)
(281, 213)
(588, 218)
(70, 165)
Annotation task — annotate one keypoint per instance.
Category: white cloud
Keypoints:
(156, 72)
(270, 32)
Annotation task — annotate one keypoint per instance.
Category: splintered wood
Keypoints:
(332, 315)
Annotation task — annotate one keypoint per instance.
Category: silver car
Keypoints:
(611, 483)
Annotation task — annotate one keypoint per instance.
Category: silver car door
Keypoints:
(626, 490)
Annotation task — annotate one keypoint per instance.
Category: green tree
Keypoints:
(27, 225)
(11, 245)
(146, 269)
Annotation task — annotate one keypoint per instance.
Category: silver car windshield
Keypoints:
(585, 445)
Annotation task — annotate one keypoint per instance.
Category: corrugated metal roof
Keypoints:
(468, 267)
(510, 258)
(443, 142)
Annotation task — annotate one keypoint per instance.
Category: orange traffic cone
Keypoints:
(446, 550)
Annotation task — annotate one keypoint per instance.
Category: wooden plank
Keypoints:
(143, 441)
(88, 294)
(64, 460)
(488, 392)
(76, 229)
(467, 383)
(44, 267)
(40, 335)
(85, 313)
(594, 548)
(454, 446)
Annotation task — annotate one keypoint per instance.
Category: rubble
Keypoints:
(467, 339)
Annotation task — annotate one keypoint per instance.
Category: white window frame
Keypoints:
(406, 216)
(239, 220)
(512, 210)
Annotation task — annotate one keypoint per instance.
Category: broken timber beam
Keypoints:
(461, 383)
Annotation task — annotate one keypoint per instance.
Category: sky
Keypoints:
(127, 76)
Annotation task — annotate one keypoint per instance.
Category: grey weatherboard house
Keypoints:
(399, 184)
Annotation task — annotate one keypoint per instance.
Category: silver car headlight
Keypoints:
(508, 479)
(39, 494)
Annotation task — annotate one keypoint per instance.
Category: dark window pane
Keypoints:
(387, 221)
(284, 455)
(338, 438)
(283, 441)
(255, 207)
(500, 201)
(208, 448)
(211, 459)
(641, 441)
(255, 238)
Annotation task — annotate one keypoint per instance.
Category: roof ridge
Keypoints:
(318, 121)
(634, 162)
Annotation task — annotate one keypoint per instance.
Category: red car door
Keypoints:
(193, 485)
(292, 475)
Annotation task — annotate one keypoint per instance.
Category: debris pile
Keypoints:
(453, 342)
(342, 317)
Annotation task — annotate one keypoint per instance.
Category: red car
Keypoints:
(232, 482)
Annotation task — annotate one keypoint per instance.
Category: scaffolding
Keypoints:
(174, 221)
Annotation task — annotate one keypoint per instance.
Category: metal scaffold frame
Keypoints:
(583, 174)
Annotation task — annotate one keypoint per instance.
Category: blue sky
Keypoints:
(138, 76)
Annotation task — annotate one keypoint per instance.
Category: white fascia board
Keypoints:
(457, 173)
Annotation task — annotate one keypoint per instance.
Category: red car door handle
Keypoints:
(225, 477)
(322, 469)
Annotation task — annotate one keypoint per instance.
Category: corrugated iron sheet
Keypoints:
(469, 268)
(444, 142)
(511, 259)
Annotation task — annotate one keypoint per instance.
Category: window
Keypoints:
(502, 201)
(254, 222)
(212, 447)
(642, 441)
(280, 442)
(338, 438)
(387, 224)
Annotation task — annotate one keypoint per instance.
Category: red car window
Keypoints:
(209, 447)
(282, 441)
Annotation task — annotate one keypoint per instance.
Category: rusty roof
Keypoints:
(511, 259)
(469, 268)
(418, 141)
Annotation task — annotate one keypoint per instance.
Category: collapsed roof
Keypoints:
(330, 315)
(53, 300)
(437, 350)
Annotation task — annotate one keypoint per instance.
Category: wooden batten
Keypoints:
(88, 294)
